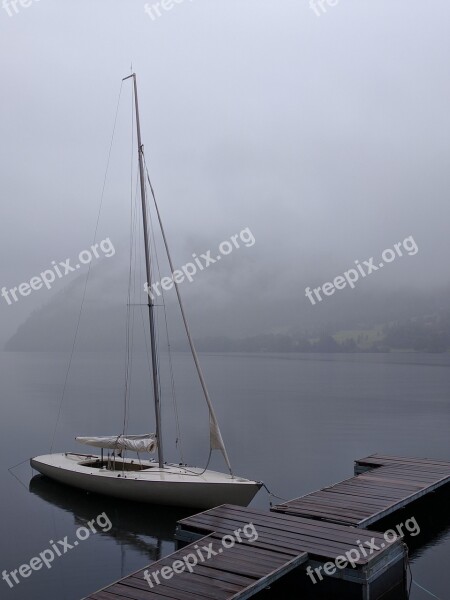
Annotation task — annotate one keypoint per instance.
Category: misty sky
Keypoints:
(327, 136)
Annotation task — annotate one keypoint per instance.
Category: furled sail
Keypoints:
(134, 443)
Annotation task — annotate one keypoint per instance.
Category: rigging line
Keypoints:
(127, 326)
(154, 330)
(178, 441)
(171, 372)
(154, 252)
(172, 378)
(129, 330)
(66, 379)
(132, 311)
(215, 433)
(146, 341)
(141, 278)
(172, 385)
(135, 225)
(144, 328)
(132, 315)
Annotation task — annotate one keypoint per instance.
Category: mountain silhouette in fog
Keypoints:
(227, 318)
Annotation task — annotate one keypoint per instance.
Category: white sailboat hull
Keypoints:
(172, 486)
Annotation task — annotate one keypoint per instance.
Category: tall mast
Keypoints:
(148, 268)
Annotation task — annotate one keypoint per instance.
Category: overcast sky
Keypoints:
(328, 136)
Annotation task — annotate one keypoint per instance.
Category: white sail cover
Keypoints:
(134, 443)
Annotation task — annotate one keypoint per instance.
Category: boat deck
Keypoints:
(382, 485)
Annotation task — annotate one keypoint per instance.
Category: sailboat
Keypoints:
(150, 480)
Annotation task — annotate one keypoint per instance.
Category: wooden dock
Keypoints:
(323, 542)
(238, 572)
(310, 532)
(382, 485)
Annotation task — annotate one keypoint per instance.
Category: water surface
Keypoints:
(295, 421)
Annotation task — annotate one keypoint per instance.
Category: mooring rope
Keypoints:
(271, 494)
(412, 580)
(11, 469)
(425, 590)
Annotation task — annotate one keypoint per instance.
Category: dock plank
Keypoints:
(235, 573)
(319, 539)
(383, 460)
(390, 484)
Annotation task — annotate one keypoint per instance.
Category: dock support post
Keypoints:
(366, 592)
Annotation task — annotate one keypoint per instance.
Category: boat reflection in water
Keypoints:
(134, 524)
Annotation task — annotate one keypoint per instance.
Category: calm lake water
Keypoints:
(295, 421)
